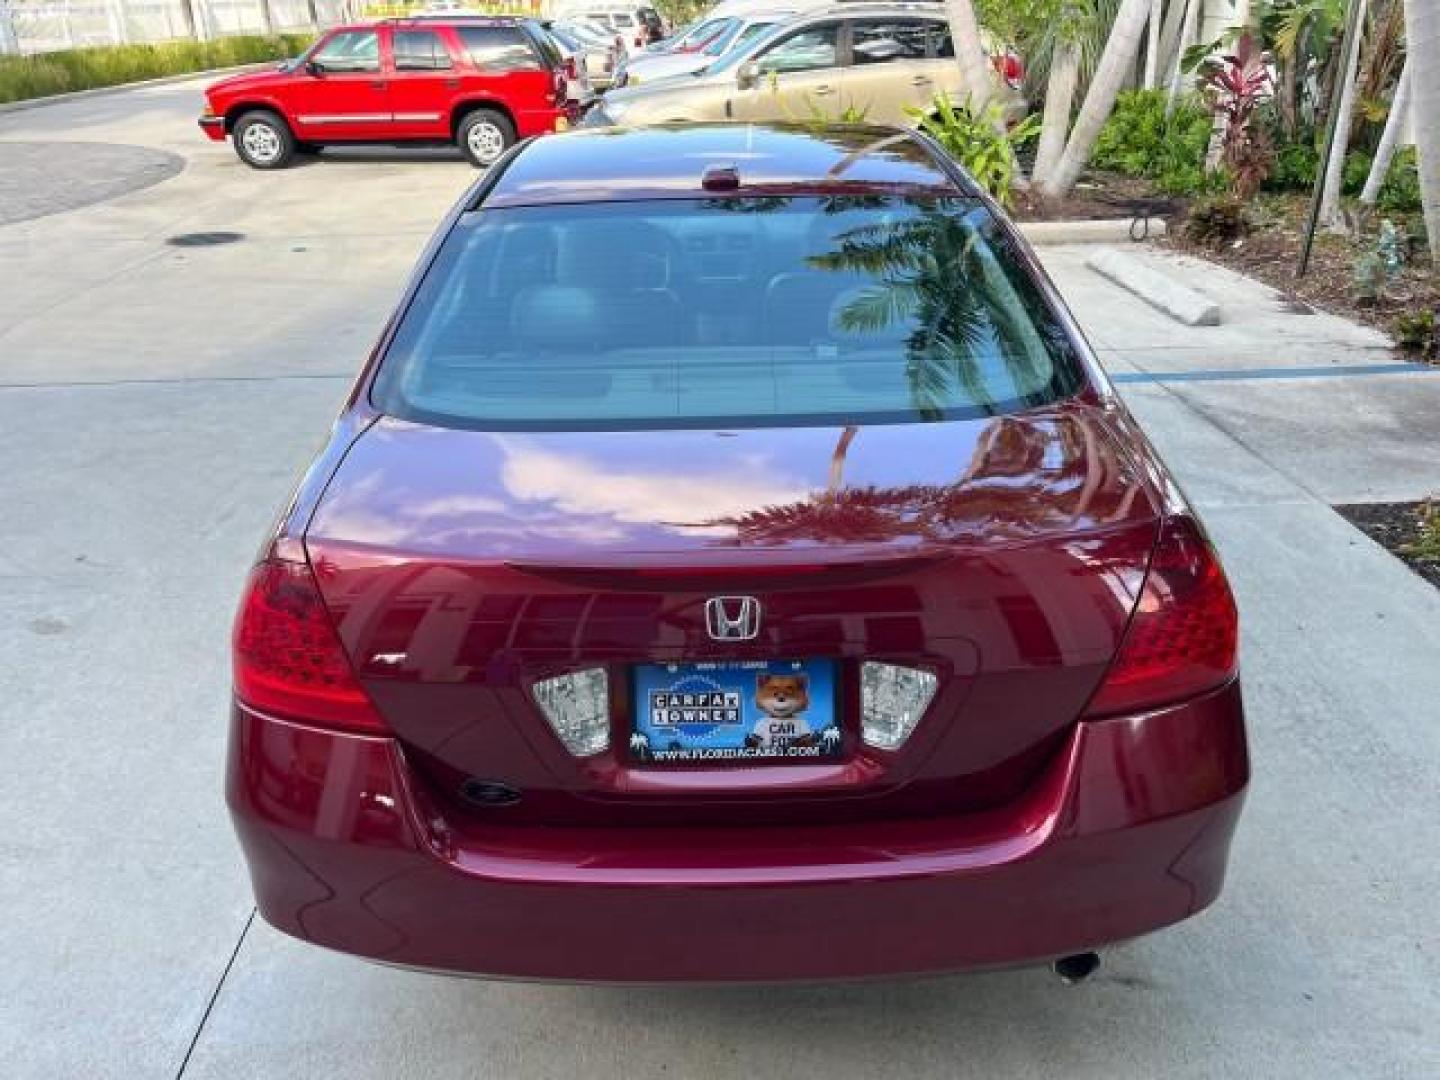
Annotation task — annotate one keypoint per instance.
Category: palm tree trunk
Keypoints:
(1187, 38)
(837, 459)
(1335, 167)
(1059, 100)
(1152, 44)
(969, 52)
(1389, 140)
(1115, 64)
(1422, 39)
(1170, 35)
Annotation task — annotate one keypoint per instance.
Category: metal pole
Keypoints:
(1352, 27)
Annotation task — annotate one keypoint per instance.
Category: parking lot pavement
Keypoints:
(155, 402)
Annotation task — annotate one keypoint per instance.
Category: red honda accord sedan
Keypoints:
(732, 564)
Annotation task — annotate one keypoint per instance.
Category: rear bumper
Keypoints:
(1128, 830)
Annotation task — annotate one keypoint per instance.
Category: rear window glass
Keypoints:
(725, 312)
(498, 48)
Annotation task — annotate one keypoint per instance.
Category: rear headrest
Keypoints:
(556, 317)
(613, 255)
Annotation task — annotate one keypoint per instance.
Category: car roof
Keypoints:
(671, 161)
(451, 18)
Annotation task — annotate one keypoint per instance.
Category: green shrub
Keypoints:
(23, 77)
(1140, 140)
(1218, 220)
(1401, 190)
(1294, 168)
(978, 141)
(1416, 331)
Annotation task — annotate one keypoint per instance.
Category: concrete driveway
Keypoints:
(155, 403)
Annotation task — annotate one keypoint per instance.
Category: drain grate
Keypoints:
(204, 239)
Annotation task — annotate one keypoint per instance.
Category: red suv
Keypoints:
(480, 83)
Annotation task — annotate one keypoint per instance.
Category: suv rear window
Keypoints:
(495, 49)
(731, 312)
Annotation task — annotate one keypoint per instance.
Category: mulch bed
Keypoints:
(1272, 252)
(1099, 196)
(1394, 526)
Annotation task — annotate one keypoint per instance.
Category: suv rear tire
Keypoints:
(263, 140)
(483, 136)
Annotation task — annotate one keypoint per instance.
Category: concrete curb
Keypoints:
(1161, 292)
(1104, 231)
(99, 91)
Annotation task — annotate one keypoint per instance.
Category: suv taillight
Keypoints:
(572, 71)
(560, 88)
(1183, 637)
(288, 658)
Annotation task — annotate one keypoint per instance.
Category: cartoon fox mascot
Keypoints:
(782, 701)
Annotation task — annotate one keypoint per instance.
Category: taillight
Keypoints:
(892, 700)
(288, 658)
(571, 71)
(1183, 637)
(561, 90)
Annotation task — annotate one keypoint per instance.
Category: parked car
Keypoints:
(731, 34)
(598, 49)
(481, 83)
(573, 61)
(734, 566)
(636, 26)
(873, 59)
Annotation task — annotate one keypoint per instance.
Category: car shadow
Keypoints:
(379, 155)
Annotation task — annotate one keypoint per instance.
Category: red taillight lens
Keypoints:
(561, 89)
(288, 658)
(572, 70)
(1183, 636)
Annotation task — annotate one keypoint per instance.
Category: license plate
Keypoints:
(742, 711)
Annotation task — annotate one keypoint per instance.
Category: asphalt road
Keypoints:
(155, 403)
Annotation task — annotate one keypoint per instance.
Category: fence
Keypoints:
(36, 26)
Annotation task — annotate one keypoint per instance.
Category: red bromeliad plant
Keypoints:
(1234, 86)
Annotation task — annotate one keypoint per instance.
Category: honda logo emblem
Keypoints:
(732, 618)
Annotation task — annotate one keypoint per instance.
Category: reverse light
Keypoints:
(1182, 640)
(892, 700)
(288, 659)
(577, 707)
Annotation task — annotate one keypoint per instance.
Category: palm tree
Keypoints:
(1335, 166)
(970, 52)
(1152, 44)
(1389, 140)
(1115, 67)
(1422, 36)
(917, 263)
(1070, 26)
(1187, 38)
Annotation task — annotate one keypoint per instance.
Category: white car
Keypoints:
(724, 35)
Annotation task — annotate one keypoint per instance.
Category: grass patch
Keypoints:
(24, 77)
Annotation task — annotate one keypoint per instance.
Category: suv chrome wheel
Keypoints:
(262, 143)
(485, 141)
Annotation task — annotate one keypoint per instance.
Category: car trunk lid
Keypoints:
(1002, 555)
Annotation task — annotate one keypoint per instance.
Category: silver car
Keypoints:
(728, 34)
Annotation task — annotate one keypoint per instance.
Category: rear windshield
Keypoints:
(727, 312)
